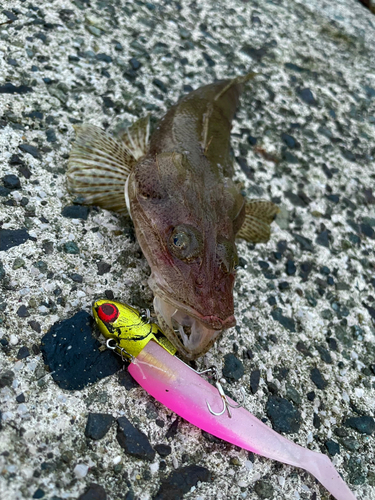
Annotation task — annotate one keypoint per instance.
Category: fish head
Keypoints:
(185, 223)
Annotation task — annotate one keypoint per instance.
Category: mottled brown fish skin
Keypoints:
(184, 181)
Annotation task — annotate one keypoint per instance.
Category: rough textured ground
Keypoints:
(304, 136)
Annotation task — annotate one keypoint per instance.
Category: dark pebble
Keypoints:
(332, 343)
(263, 264)
(98, 424)
(290, 267)
(286, 322)
(9, 88)
(290, 141)
(47, 247)
(23, 170)
(6, 378)
(82, 363)
(254, 381)
(134, 63)
(325, 270)
(210, 438)
(126, 380)
(12, 238)
(323, 238)
(10, 15)
(21, 398)
(103, 57)
(103, 268)
(35, 326)
(356, 472)
(109, 294)
(75, 212)
(284, 285)
(335, 198)
(2, 271)
(94, 492)
(173, 428)
(133, 441)
(39, 493)
(23, 312)
(23, 352)
(324, 354)
(317, 378)
(233, 368)
(4, 191)
(307, 96)
(71, 248)
(367, 230)
(252, 140)
(108, 102)
(292, 394)
(364, 425)
(350, 444)
(333, 448)
(11, 181)
(77, 278)
(180, 482)
(208, 59)
(31, 150)
(316, 421)
(340, 432)
(272, 387)
(305, 243)
(160, 85)
(283, 415)
(51, 135)
(163, 449)
(311, 396)
(272, 301)
(306, 268)
(263, 489)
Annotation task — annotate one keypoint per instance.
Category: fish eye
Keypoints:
(181, 240)
(185, 242)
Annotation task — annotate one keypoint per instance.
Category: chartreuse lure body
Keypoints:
(155, 367)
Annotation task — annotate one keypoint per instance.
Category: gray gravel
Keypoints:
(304, 136)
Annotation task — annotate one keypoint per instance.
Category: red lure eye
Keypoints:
(108, 312)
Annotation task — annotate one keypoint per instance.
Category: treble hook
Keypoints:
(226, 404)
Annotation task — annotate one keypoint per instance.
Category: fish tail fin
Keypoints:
(136, 137)
(98, 168)
(259, 215)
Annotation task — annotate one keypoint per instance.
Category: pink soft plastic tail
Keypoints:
(186, 393)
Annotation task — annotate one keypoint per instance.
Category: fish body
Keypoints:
(184, 391)
(186, 209)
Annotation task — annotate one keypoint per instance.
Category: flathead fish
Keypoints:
(186, 209)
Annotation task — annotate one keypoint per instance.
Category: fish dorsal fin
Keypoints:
(98, 168)
(136, 137)
(259, 215)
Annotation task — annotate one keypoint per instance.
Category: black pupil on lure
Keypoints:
(108, 312)
(180, 240)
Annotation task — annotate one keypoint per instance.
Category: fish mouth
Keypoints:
(190, 332)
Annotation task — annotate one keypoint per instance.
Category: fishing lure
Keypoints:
(155, 367)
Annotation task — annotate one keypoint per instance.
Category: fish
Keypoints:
(176, 184)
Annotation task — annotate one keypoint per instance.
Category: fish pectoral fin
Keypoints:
(98, 168)
(259, 215)
(136, 137)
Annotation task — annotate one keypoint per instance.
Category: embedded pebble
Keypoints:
(98, 424)
(133, 441)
